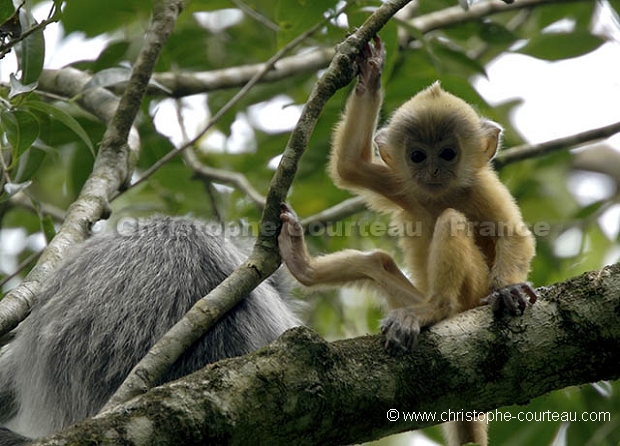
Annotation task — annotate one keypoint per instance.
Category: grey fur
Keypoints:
(106, 306)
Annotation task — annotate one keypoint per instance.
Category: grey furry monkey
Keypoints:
(106, 306)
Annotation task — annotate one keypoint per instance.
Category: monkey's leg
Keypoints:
(458, 278)
(376, 268)
(458, 433)
(457, 270)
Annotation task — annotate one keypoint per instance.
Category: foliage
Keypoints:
(48, 142)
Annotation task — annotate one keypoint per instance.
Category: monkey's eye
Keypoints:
(447, 154)
(417, 156)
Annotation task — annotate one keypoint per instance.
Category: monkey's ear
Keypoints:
(381, 140)
(491, 131)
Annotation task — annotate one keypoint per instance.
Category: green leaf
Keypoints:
(109, 77)
(297, 16)
(21, 129)
(65, 119)
(14, 188)
(114, 76)
(47, 225)
(6, 10)
(94, 17)
(557, 46)
(589, 210)
(113, 54)
(493, 32)
(29, 163)
(455, 60)
(32, 53)
(17, 88)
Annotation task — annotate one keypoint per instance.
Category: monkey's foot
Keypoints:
(401, 328)
(370, 63)
(292, 232)
(291, 239)
(511, 299)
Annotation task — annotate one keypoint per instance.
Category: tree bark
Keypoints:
(303, 390)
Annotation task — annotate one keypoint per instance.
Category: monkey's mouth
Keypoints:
(434, 185)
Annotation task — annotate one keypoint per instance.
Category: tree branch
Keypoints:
(238, 180)
(314, 392)
(185, 84)
(112, 170)
(527, 151)
(456, 15)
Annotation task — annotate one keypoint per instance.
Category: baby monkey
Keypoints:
(432, 169)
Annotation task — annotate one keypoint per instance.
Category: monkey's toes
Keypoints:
(291, 226)
(511, 299)
(401, 329)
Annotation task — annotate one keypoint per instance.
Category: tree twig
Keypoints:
(456, 15)
(255, 15)
(53, 16)
(528, 151)
(236, 179)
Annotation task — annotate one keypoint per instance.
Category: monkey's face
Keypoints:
(433, 167)
(426, 150)
(436, 142)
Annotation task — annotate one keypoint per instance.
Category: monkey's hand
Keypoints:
(511, 299)
(401, 328)
(370, 63)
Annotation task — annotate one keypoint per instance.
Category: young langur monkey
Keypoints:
(432, 170)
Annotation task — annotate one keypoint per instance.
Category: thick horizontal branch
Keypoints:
(303, 390)
(186, 83)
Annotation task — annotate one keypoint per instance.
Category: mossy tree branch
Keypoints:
(314, 392)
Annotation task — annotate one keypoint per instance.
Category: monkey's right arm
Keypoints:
(352, 164)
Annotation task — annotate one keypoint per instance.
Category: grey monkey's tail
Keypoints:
(10, 438)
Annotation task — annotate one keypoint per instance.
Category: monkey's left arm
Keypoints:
(514, 250)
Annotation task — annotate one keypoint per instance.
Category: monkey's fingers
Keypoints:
(370, 63)
(401, 329)
(526, 287)
(511, 299)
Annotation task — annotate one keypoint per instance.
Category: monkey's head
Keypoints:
(436, 142)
